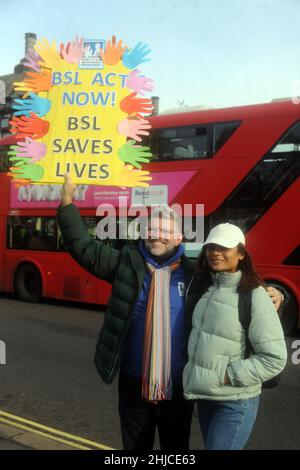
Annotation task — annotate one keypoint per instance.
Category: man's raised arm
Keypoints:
(93, 255)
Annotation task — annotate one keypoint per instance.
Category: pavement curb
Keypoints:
(28, 439)
(37, 436)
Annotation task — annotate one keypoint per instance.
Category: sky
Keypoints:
(217, 53)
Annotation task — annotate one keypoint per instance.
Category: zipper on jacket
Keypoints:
(202, 321)
(199, 331)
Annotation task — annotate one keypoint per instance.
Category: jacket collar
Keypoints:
(226, 279)
(138, 263)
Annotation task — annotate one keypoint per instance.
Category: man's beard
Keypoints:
(162, 258)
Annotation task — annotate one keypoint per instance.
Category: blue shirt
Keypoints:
(132, 363)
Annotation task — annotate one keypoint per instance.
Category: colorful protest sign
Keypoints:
(80, 113)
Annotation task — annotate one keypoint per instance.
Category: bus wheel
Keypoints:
(288, 313)
(28, 283)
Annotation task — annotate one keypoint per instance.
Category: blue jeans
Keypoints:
(227, 425)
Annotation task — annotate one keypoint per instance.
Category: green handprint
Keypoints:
(28, 171)
(134, 154)
(17, 161)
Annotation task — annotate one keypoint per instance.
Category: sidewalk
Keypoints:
(6, 444)
(12, 438)
(18, 433)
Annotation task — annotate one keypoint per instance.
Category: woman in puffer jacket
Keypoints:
(225, 384)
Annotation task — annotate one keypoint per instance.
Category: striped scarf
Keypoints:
(156, 379)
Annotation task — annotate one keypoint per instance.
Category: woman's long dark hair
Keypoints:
(250, 278)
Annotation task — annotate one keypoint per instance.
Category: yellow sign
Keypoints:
(80, 113)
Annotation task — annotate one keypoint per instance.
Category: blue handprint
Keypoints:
(34, 104)
(132, 58)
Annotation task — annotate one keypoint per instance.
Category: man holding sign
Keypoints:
(144, 334)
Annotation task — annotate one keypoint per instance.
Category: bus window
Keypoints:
(293, 259)
(60, 243)
(290, 142)
(221, 133)
(125, 233)
(32, 233)
(268, 180)
(189, 142)
(4, 125)
(179, 143)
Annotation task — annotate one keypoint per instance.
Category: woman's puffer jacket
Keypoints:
(217, 344)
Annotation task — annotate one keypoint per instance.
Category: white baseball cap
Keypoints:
(227, 235)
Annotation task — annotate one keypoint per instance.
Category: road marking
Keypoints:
(48, 432)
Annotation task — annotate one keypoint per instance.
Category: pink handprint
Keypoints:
(73, 51)
(139, 83)
(133, 128)
(31, 149)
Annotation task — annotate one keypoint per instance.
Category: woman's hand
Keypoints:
(227, 379)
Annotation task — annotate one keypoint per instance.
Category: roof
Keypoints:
(205, 116)
(186, 109)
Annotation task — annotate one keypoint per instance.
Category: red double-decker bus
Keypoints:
(242, 163)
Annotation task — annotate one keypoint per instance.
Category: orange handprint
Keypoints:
(19, 182)
(113, 52)
(34, 82)
(31, 126)
(132, 105)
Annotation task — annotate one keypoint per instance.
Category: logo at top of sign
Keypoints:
(91, 58)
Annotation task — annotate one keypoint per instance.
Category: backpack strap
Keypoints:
(244, 309)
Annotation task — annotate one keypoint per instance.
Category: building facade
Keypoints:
(6, 106)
